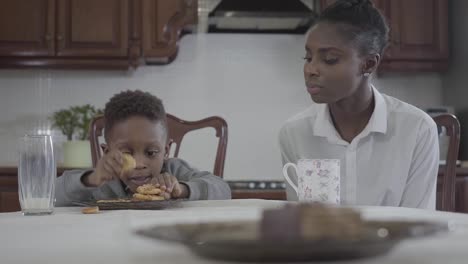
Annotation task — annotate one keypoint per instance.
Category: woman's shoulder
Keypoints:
(403, 112)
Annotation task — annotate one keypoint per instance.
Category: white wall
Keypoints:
(254, 81)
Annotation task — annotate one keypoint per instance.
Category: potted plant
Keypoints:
(74, 124)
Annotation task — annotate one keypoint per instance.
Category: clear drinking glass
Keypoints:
(36, 175)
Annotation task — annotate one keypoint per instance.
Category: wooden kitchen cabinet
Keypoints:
(418, 34)
(27, 28)
(9, 201)
(162, 22)
(89, 34)
(89, 28)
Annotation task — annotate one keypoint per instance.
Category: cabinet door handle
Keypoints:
(59, 37)
(48, 37)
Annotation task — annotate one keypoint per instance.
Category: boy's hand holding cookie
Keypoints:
(129, 163)
(112, 165)
(170, 186)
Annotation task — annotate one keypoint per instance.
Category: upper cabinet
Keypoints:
(109, 34)
(418, 35)
(90, 28)
(162, 22)
(419, 29)
(27, 28)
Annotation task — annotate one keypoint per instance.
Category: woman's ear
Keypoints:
(104, 148)
(371, 62)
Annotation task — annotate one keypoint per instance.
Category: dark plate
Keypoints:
(133, 205)
(240, 241)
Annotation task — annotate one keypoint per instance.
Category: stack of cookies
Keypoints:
(148, 192)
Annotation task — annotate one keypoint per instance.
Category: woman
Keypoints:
(388, 149)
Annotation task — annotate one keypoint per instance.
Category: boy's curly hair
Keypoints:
(133, 103)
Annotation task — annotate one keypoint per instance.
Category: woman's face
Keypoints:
(333, 68)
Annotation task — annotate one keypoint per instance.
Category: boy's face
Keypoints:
(145, 140)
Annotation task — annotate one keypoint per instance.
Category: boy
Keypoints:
(135, 124)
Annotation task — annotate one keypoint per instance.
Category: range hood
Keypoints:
(285, 16)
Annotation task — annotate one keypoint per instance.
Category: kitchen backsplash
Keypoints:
(254, 81)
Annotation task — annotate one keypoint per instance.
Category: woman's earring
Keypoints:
(366, 74)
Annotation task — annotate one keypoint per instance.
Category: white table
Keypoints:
(68, 236)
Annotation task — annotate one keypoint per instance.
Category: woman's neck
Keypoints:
(351, 115)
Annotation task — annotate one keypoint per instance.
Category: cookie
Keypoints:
(147, 197)
(90, 210)
(114, 201)
(148, 189)
(129, 163)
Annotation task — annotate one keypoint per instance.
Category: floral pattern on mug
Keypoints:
(319, 180)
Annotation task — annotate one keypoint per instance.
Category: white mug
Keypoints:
(317, 180)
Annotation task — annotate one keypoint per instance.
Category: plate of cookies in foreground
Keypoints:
(297, 232)
(147, 197)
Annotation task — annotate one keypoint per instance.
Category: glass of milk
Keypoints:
(36, 175)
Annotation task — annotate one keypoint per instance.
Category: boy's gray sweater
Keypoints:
(202, 185)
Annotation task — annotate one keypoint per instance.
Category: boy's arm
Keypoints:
(202, 185)
(69, 188)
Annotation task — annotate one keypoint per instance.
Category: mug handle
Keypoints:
(286, 176)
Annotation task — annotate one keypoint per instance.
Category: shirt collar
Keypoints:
(378, 120)
(323, 126)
